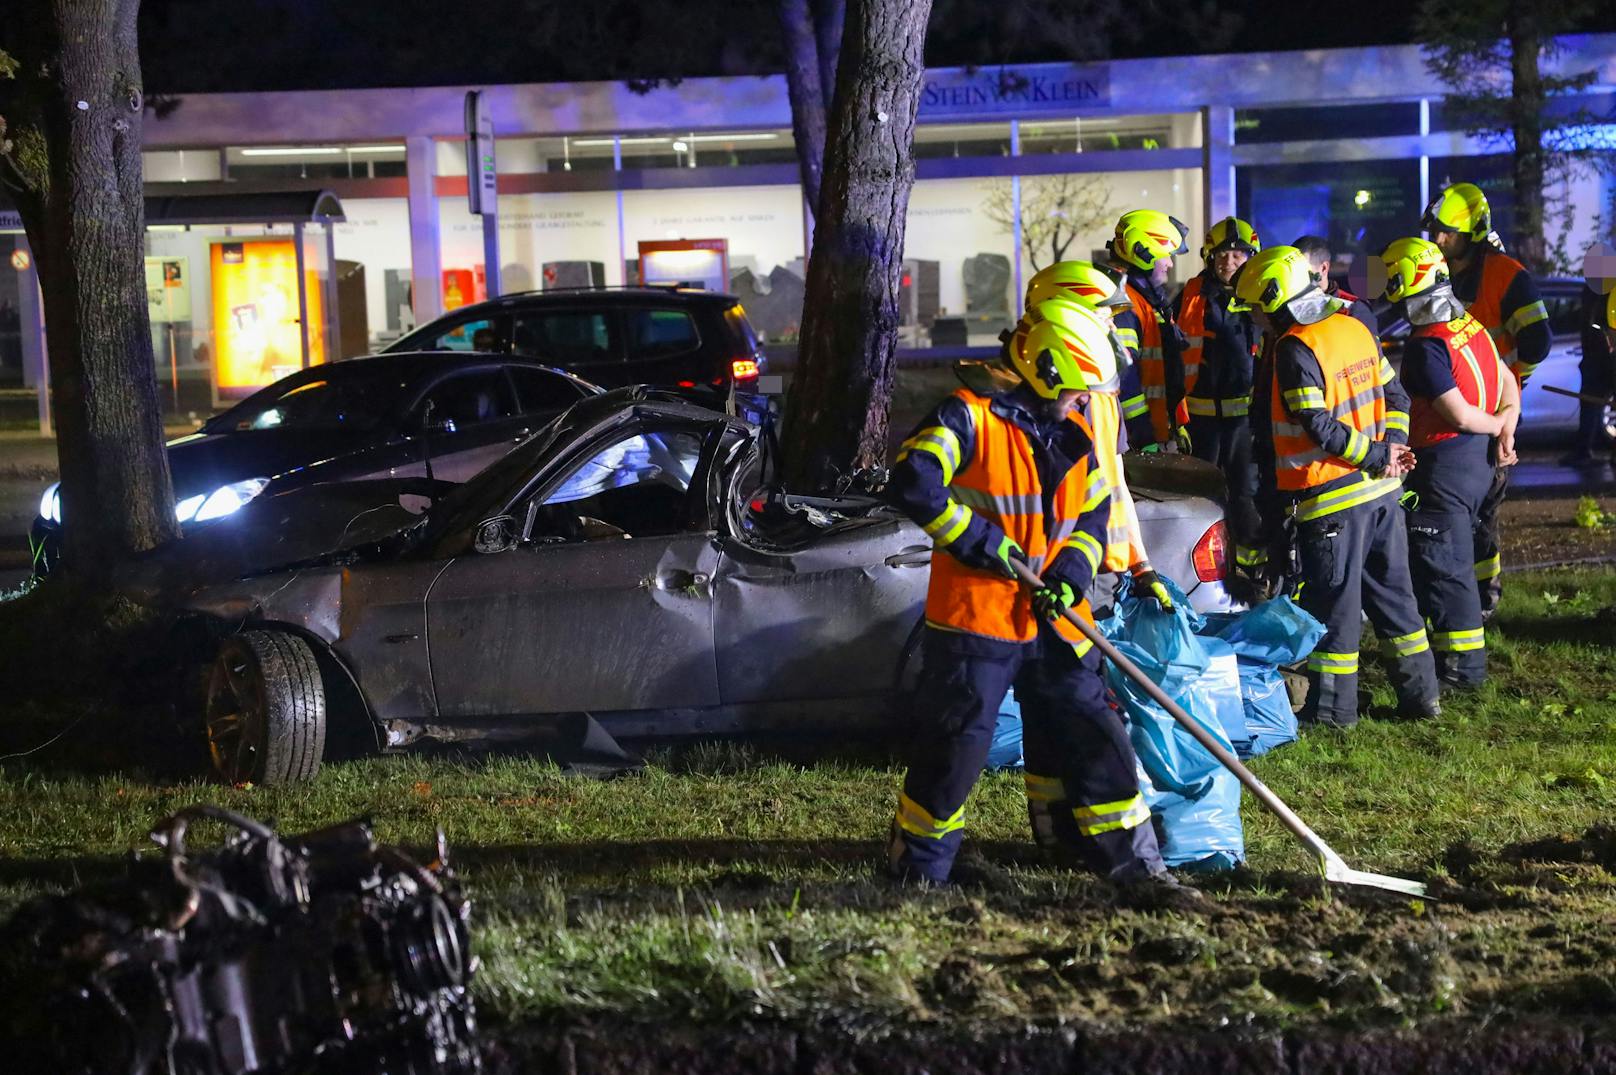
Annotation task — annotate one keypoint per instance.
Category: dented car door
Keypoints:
(598, 626)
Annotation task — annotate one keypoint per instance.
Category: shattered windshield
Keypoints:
(666, 457)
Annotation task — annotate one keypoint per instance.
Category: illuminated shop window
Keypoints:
(704, 149)
(962, 140)
(1088, 134)
(372, 160)
(1380, 120)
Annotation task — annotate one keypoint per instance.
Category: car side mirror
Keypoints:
(495, 535)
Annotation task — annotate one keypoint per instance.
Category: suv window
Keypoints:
(479, 335)
(564, 337)
(468, 399)
(541, 390)
(661, 333)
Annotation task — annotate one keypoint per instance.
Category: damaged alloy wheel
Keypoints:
(265, 709)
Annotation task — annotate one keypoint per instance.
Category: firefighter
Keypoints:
(1499, 292)
(1102, 292)
(1598, 369)
(1153, 384)
(1221, 343)
(1319, 256)
(1335, 423)
(1462, 396)
(997, 479)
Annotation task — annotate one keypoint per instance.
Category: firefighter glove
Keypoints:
(1181, 434)
(1147, 585)
(1051, 601)
(1006, 553)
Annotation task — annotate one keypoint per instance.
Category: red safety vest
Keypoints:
(1474, 361)
(1000, 483)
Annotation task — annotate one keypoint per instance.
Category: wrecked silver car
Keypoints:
(629, 563)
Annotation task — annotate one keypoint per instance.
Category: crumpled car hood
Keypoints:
(272, 533)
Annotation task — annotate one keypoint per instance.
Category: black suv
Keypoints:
(611, 336)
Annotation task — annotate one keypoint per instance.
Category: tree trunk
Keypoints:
(1526, 108)
(830, 18)
(72, 114)
(836, 420)
(807, 95)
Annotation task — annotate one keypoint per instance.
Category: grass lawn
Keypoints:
(727, 882)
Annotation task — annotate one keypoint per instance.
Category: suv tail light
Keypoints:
(744, 369)
(1211, 555)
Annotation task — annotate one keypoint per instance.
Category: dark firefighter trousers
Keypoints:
(1489, 567)
(1448, 489)
(1082, 792)
(1225, 442)
(1355, 562)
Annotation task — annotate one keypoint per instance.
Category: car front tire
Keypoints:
(265, 710)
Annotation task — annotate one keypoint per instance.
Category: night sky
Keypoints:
(223, 45)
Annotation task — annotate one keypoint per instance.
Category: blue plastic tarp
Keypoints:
(1275, 633)
(1194, 800)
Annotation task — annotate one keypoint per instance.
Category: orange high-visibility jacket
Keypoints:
(1354, 395)
(1000, 483)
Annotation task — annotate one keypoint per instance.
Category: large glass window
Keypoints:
(1359, 206)
(762, 228)
(708, 149)
(373, 273)
(11, 368)
(959, 263)
(224, 309)
(1085, 134)
(1385, 119)
(962, 140)
(374, 160)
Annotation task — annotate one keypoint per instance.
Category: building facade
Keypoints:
(1015, 166)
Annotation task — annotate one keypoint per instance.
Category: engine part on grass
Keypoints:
(319, 953)
(1331, 865)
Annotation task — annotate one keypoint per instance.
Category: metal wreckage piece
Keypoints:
(319, 953)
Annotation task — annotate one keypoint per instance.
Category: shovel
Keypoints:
(1331, 864)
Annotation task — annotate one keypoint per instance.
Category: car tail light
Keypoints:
(1211, 555)
(744, 369)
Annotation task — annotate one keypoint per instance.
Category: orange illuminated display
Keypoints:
(256, 331)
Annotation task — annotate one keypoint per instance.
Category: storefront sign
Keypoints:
(255, 323)
(168, 289)
(1018, 90)
(10, 221)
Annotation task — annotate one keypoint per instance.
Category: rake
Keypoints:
(1332, 865)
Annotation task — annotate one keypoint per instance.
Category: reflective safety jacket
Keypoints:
(1154, 383)
(1220, 347)
(1124, 547)
(1335, 406)
(1499, 292)
(1476, 372)
(982, 466)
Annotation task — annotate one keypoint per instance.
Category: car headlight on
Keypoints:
(225, 500)
(50, 505)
